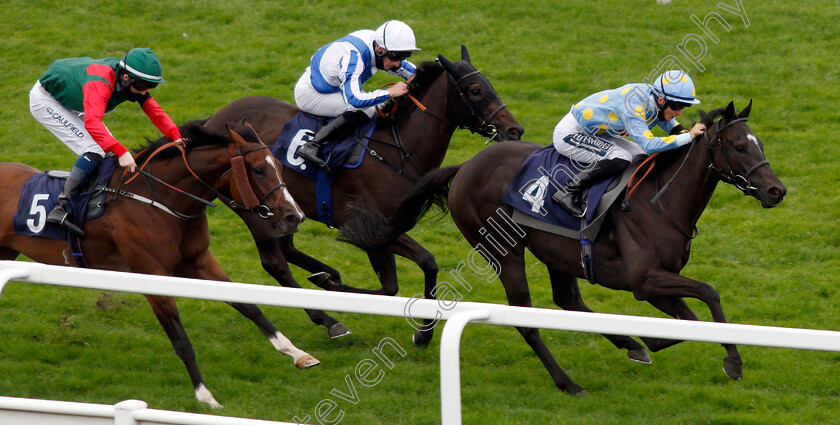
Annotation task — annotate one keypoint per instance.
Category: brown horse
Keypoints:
(173, 239)
(641, 249)
(453, 95)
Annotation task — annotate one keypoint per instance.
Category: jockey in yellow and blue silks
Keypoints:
(596, 130)
(332, 84)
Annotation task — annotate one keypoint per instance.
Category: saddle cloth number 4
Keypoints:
(535, 194)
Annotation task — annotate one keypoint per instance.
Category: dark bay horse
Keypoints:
(454, 95)
(137, 237)
(641, 250)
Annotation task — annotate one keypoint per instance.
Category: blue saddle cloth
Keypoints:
(302, 129)
(40, 194)
(344, 154)
(538, 179)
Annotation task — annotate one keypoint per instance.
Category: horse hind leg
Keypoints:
(567, 296)
(166, 312)
(512, 275)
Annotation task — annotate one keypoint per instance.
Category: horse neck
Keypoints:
(426, 137)
(208, 163)
(692, 188)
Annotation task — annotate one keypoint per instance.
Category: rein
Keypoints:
(240, 177)
(485, 128)
(742, 182)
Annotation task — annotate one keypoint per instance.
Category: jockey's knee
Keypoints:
(620, 154)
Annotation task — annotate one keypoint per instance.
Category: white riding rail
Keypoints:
(458, 314)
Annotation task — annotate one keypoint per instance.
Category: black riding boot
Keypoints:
(334, 131)
(59, 214)
(568, 194)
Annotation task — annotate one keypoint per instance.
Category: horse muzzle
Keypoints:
(772, 197)
(287, 222)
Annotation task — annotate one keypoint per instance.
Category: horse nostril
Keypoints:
(515, 133)
(779, 192)
(292, 218)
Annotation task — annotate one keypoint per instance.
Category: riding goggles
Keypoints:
(142, 85)
(397, 56)
(677, 106)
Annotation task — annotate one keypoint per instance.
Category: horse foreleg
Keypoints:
(566, 293)
(305, 261)
(665, 290)
(407, 247)
(383, 264)
(272, 257)
(166, 312)
(206, 267)
(674, 307)
(8, 254)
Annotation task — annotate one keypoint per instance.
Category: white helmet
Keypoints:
(396, 36)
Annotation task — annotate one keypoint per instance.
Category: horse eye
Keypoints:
(259, 170)
(475, 91)
(740, 148)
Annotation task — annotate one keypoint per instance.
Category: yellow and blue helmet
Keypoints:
(676, 86)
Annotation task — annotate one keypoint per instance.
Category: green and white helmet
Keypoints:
(142, 63)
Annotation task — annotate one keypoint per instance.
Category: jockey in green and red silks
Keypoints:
(72, 97)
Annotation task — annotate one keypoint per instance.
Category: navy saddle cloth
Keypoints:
(347, 153)
(538, 179)
(40, 194)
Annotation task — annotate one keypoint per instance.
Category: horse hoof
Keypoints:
(420, 340)
(338, 330)
(307, 361)
(320, 279)
(639, 355)
(733, 369)
(575, 390)
(203, 395)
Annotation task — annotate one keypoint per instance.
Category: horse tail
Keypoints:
(367, 228)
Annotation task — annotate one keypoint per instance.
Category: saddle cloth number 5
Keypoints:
(38, 213)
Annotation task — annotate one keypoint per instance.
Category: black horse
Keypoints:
(641, 249)
(450, 95)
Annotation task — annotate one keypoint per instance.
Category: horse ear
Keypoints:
(447, 64)
(730, 110)
(237, 138)
(465, 55)
(746, 112)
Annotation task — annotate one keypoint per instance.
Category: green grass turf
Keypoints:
(772, 267)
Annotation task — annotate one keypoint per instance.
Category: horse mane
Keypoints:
(427, 73)
(666, 158)
(194, 131)
(708, 118)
